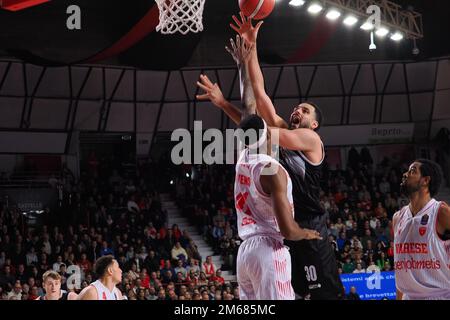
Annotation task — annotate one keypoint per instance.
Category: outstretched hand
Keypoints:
(245, 28)
(240, 50)
(212, 91)
(311, 235)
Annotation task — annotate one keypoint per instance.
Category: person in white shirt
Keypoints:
(422, 236)
(31, 257)
(208, 267)
(110, 274)
(16, 292)
(265, 211)
(178, 252)
(359, 269)
(57, 264)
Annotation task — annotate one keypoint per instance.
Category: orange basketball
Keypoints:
(256, 9)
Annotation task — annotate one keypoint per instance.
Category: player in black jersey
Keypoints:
(314, 267)
(51, 282)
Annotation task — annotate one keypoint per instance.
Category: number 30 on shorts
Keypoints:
(311, 274)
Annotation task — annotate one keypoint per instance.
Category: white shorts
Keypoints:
(264, 270)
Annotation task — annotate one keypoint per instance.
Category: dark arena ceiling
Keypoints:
(289, 35)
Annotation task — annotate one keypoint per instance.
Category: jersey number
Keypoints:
(311, 274)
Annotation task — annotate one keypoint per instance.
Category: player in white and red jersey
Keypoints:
(263, 199)
(422, 236)
(109, 275)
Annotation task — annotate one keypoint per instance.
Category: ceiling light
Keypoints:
(397, 36)
(367, 26)
(297, 3)
(350, 21)
(315, 8)
(333, 14)
(382, 32)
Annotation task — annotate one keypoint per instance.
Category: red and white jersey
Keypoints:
(422, 259)
(254, 208)
(103, 292)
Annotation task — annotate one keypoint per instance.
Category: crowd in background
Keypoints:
(115, 211)
(109, 210)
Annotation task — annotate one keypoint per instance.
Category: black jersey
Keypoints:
(306, 179)
(64, 296)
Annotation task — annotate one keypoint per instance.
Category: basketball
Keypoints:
(257, 9)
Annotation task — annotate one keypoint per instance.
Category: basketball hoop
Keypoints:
(180, 16)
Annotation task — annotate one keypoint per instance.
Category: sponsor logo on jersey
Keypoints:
(247, 221)
(422, 231)
(424, 220)
(244, 180)
(411, 248)
(412, 264)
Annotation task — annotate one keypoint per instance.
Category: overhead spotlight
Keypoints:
(367, 26)
(171, 182)
(350, 21)
(397, 36)
(315, 8)
(297, 3)
(333, 14)
(187, 175)
(382, 32)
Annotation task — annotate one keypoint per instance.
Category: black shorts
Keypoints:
(314, 268)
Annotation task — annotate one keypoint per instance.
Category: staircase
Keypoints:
(174, 217)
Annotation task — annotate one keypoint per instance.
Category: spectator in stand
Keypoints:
(353, 295)
(203, 280)
(145, 278)
(155, 281)
(151, 262)
(176, 232)
(105, 250)
(181, 269)
(382, 260)
(359, 269)
(16, 293)
(192, 251)
(31, 257)
(193, 266)
(7, 279)
(179, 253)
(34, 293)
(390, 204)
(348, 266)
(84, 264)
(21, 274)
(217, 278)
(133, 273)
(208, 267)
(151, 294)
(379, 210)
(341, 240)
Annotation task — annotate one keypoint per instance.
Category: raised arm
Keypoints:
(214, 94)
(276, 186)
(264, 104)
(240, 52)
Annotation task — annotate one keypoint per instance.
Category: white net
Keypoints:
(180, 16)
